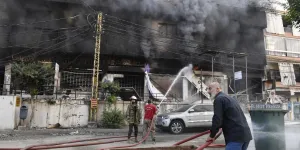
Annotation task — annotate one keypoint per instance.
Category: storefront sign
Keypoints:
(266, 106)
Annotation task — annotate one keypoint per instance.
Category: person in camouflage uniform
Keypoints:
(133, 116)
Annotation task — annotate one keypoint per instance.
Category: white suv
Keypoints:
(194, 115)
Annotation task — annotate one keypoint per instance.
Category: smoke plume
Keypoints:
(234, 25)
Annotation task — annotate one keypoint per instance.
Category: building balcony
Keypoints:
(282, 56)
(282, 46)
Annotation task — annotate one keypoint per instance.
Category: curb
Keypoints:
(291, 123)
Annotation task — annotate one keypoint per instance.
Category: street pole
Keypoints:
(212, 66)
(95, 80)
(247, 77)
(233, 76)
(201, 92)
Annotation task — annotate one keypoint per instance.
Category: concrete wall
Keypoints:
(9, 112)
(68, 113)
(121, 105)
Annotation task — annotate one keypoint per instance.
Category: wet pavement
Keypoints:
(163, 139)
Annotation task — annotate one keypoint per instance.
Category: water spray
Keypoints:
(185, 69)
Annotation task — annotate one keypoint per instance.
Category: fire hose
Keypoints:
(207, 144)
(210, 142)
(149, 130)
(62, 144)
(191, 138)
(69, 144)
(78, 145)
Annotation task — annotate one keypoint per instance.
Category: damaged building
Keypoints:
(282, 78)
(166, 35)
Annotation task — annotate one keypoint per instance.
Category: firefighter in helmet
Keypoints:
(133, 116)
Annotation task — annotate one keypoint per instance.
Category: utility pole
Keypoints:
(247, 77)
(95, 80)
(212, 67)
(233, 75)
(201, 93)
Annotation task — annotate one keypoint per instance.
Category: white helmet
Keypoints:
(133, 98)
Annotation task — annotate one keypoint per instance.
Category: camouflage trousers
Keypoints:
(146, 126)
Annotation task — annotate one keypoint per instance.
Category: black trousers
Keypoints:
(136, 130)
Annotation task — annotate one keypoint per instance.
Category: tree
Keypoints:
(293, 12)
(112, 118)
(110, 90)
(31, 76)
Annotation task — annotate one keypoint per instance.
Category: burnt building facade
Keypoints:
(167, 36)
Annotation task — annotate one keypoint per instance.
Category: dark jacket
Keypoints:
(229, 116)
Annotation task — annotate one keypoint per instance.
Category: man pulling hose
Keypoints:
(150, 112)
(229, 116)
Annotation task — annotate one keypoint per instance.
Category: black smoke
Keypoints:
(230, 26)
(227, 26)
(44, 26)
(234, 25)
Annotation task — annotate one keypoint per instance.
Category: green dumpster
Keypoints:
(268, 126)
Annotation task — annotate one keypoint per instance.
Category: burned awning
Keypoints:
(126, 92)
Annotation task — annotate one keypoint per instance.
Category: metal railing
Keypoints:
(71, 94)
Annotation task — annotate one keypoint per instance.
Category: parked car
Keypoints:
(192, 115)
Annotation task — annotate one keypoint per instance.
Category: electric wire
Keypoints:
(39, 44)
(197, 53)
(180, 53)
(48, 30)
(42, 21)
(48, 49)
(88, 6)
(200, 45)
(141, 26)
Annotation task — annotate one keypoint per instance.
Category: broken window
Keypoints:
(167, 29)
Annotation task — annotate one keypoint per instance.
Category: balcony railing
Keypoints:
(282, 46)
(282, 53)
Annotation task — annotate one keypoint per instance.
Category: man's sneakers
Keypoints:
(129, 141)
(153, 141)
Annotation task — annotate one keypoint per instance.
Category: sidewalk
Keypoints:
(41, 133)
(292, 122)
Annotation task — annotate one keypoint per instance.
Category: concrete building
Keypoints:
(225, 30)
(282, 72)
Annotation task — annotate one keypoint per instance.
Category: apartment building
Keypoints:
(282, 72)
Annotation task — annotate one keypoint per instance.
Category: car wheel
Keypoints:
(176, 127)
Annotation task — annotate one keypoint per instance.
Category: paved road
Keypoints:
(163, 139)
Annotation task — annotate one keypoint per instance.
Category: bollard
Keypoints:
(268, 126)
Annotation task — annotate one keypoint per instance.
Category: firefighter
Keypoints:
(150, 112)
(133, 116)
